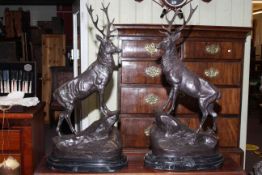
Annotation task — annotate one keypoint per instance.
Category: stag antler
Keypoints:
(185, 21)
(109, 24)
(95, 22)
(178, 12)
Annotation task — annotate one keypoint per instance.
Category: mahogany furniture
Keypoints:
(214, 53)
(22, 136)
(136, 167)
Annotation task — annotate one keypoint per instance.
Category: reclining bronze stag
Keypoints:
(94, 79)
(180, 77)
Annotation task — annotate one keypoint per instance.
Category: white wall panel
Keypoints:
(127, 11)
(238, 12)
(207, 12)
(144, 12)
(224, 12)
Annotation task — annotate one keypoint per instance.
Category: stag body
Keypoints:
(182, 79)
(94, 79)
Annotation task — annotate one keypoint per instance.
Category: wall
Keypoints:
(217, 12)
(37, 13)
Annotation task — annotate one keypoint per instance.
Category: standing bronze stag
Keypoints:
(180, 77)
(94, 79)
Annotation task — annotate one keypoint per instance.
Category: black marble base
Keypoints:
(82, 165)
(183, 163)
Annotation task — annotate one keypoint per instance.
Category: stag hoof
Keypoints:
(107, 113)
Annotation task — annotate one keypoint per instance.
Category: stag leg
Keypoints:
(67, 117)
(203, 108)
(168, 100)
(211, 111)
(103, 108)
(60, 120)
(173, 99)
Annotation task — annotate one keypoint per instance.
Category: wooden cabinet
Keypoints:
(53, 54)
(22, 136)
(213, 53)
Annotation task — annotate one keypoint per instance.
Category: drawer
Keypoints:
(150, 99)
(140, 48)
(150, 72)
(10, 140)
(142, 99)
(213, 49)
(133, 131)
(228, 104)
(217, 73)
(141, 72)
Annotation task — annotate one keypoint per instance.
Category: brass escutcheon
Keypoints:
(151, 99)
(212, 49)
(152, 71)
(151, 49)
(211, 72)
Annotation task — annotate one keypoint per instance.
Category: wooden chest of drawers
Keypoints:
(214, 53)
(22, 136)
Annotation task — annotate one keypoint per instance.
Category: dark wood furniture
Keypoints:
(214, 53)
(59, 75)
(23, 136)
(136, 167)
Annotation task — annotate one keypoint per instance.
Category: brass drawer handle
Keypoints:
(152, 71)
(151, 99)
(151, 49)
(213, 49)
(211, 72)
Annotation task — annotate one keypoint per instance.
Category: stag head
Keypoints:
(173, 34)
(106, 44)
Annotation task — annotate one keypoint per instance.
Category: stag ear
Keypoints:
(99, 38)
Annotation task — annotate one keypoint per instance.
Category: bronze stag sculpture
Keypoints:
(94, 79)
(175, 146)
(180, 77)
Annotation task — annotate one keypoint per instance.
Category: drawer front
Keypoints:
(213, 50)
(227, 73)
(133, 131)
(140, 48)
(141, 72)
(142, 99)
(10, 140)
(150, 72)
(149, 100)
(228, 104)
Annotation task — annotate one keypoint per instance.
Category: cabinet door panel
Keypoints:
(213, 50)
